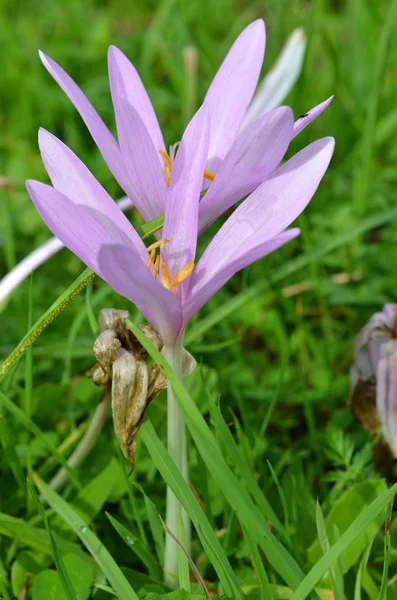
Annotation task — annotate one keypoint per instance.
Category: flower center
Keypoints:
(169, 281)
(168, 165)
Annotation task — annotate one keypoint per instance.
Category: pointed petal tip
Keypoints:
(298, 35)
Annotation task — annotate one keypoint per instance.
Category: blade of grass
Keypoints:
(95, 547)
(137, 546)
(238, 498)
(359, 524)
(182, 491)
(361, 570)
(63, 576)
(385, 574)
(228, 442)
(155, 526)
(266, 590)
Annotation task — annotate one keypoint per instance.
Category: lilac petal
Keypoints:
(306, 119)
(141, 160)
(271, 208)
(386, 393)
(135, 282)
(36, 258)
(72, 178)
(255, 154)
(277, 84)
(83, 232)
(181, 214)
(80, 228)
(232, 89)
(126, 83)
(97, 128)
(204, 287)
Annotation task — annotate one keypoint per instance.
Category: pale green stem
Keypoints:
(176, 435)
(87, 441)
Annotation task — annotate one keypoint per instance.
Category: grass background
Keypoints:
(280, 361)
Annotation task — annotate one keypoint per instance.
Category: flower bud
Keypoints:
(373, 377)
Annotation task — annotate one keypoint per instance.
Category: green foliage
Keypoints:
(274, 347)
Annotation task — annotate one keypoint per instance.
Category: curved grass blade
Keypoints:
(137, 546)
(182, 491)
(361, 570)
(238, 497)
(63, 575)
(359, 524)
(95, 547)
(383, 588)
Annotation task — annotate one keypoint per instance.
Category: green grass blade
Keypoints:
(63, 576)
(361, 570)
(258, 564)
(95, 547)
(385, 574)
(137, 546)
(182, 491)
(359, 524)
(228, 442)
(238, 498)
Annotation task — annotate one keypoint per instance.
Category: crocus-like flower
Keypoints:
(374, 375)
(245, 145)
(161, 280)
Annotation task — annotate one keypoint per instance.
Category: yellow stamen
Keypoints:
(156, 266)
(209, 175)
(165, 278)
(182, 274)
(167, 159)
(167, 176)
(158, 244)
(151, 258)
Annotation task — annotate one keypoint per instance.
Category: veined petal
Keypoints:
(81, 228)
(251, 251)
(126, 83)
(141, 159)
(232, 89)
(181, 213)
(271, 208)
(72, 178)
(97, 128)
(135, 282)
(306, 119)
(277, 84)
(253, 156)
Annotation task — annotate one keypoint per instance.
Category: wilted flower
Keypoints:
(119, 355)
(374, 376)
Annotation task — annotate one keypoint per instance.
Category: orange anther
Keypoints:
(182, 274)
(209, 175)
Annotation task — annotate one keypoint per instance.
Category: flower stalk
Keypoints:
(177, 448)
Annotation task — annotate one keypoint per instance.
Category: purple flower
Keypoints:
(162, 280)
(245, 145)
(375, 366)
